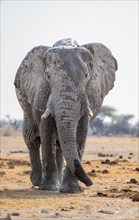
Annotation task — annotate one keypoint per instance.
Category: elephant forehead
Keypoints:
(63, 54)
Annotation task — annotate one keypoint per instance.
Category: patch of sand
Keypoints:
(110, 197)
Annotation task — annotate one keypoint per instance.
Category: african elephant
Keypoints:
(61, 88)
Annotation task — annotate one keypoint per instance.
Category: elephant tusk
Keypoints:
(86, 104)
(89, 111)
(46, 113)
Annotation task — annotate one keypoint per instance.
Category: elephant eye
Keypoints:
(86, 75)
(47, 74)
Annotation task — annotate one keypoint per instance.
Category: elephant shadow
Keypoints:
(30, 193)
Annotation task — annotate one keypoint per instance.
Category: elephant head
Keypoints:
(67, 81)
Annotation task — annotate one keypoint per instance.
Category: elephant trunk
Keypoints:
(67, 137)
(66, 109)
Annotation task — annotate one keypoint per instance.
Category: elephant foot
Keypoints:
(36, 177)
(50, 186)
(71, 188)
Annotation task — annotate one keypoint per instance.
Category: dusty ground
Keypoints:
(112, 163)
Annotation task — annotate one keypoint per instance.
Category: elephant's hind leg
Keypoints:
(33, 143)
(60, 161)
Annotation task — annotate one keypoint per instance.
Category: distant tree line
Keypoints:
(107, 123)
(9, 125)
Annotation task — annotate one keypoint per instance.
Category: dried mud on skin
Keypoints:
(114, 194)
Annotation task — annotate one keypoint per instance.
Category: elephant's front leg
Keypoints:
(49, 166)
(32, 141)
(70, 182)
(36, 172)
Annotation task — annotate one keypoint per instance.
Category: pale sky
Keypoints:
(25, 24)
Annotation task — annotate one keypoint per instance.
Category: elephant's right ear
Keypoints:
(30, 81)
(102, 74)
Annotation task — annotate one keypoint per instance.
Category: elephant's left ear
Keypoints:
(102, 76)
(31, 85)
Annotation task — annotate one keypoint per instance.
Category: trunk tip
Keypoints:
(81, 175)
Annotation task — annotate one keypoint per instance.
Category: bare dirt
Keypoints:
(111, 163)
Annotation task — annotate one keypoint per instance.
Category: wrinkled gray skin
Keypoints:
(60, 89)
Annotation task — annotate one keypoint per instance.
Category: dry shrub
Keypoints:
(8, 130)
